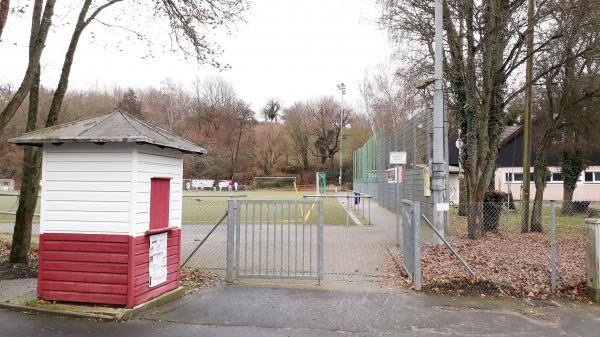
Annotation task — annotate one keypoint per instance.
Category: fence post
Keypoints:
(553, 252)
(230, 239)
(347, 210)
(369, 211)
(396, 205)
(416, 218)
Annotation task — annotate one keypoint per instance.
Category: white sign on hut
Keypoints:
(110, 185)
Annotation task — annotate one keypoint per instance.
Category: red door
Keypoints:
(159, 202)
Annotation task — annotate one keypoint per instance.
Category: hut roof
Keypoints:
(115, 127)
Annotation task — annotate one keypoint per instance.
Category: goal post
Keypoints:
(272, 182)
(321, 183)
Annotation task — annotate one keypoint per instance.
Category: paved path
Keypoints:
(359, 253)
(256, 311)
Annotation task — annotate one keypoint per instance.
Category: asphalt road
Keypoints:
(271, 311)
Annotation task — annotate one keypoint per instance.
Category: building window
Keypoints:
(513, 177)
(592, 176)
(557, 177)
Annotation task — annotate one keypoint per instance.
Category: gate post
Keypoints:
(320, 247)
(416, 218)
(231, 216)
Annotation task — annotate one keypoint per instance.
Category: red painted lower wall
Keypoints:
(140, 281)
(102, 269)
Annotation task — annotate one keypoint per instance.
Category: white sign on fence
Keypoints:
(158, 259)
(398, 158)
(442, 207)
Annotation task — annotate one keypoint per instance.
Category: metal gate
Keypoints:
(281, 239)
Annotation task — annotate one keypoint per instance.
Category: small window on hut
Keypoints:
(159, 202)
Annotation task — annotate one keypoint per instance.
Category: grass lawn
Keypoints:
(209, 207)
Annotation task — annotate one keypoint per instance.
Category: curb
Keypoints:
(119, 316)
(54, 312)
(156, 302)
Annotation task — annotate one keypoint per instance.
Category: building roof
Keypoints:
(507, 135)
(510, 132)
(115, 127)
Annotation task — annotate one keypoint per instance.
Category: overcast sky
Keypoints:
(287, 49)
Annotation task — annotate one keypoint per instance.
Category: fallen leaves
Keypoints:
(505, 264)
(10, 271)
(193, 278)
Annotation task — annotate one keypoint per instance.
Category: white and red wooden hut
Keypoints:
(110, 215)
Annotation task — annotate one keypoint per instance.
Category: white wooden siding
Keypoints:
(86, 188)
(152, 162)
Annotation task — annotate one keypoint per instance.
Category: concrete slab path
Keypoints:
(259, 311)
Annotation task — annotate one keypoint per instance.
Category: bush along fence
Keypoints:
(541, 257)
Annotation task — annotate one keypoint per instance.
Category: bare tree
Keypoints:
(297, 121)
(240, 118)
(270, 146)
(130, 103)
(212, 98)
(271, 110)
(325, 123)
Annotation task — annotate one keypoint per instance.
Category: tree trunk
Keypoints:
(527, 119)
(30, 185)
(28, 193)
(462, 198)
(540, 185)
(305, 162)
(28, 197)
(475, 213)
(474, 219)
(4, 6)
(573, 163)
(567, 205)
(541, 174)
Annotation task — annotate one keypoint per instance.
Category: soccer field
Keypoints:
(208, 207)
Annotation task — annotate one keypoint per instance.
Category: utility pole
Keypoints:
(342, 88)
(527, 121)
(438, 166)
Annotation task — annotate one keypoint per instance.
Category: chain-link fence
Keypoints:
(204, 232)
(476, 219)
(373, 172)
(530, 256)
